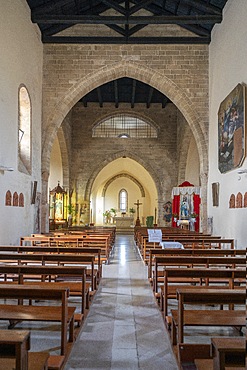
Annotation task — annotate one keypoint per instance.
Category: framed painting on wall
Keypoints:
(215, 194)
(232, 129)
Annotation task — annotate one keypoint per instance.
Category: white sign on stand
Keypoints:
(154, 235)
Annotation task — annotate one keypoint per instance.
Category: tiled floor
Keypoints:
(124, 329)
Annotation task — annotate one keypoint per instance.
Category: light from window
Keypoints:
(24, 131)
(123, 200)
(124, 126)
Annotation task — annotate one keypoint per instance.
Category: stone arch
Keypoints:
(108, 73)
(133, 70)
(132, 178)
(117, 155)
(64, 155)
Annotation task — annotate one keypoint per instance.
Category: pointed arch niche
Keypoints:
(122, 173)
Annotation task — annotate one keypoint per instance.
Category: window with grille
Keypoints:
(124, 126)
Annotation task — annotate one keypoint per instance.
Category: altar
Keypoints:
(123, 222)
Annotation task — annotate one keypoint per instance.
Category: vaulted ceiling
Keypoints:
(126, 22)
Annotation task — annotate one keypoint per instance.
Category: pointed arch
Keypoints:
(117, 155)
(125, 69)
(132, 178)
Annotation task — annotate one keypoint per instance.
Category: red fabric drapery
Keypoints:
(175, 208)
(197, 201)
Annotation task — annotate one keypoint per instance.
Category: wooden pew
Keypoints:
(102, 242)
(190, 261)
(15, 354)
(59, 250)
(228, 352)
(225, 353)
(53, 259)
(200, 276)
(61, 313)
(191, 252)
(45, 273)
(183, 317)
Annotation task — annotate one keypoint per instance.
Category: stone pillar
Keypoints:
(44, 203)
(204, 197)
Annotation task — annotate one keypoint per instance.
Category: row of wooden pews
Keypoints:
(43, 269)
(201, 285)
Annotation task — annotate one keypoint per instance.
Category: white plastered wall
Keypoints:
(228, 61)
(20, 63)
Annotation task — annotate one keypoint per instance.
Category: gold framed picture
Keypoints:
(232, 129)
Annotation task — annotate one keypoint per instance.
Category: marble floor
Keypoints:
(124, 329)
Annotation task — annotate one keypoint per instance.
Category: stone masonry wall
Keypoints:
(178, 71)
(157, 155)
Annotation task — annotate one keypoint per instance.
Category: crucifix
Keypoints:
(138, 204)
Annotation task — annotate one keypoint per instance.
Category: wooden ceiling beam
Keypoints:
(100, 97)
(94, 19)
(133, 93)
(116, 94)
(122, 40)
(202, 6)
(112, 4)
(137, 7)
(150, 94)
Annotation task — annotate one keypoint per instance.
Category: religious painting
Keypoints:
(215, 194)
(167, 211)
(232, 130)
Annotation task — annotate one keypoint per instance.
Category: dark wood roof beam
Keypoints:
(117, 29)
(150, 94)
(163, 19)
(115, 6)
(139, 6)
(122, 40)
(133, 94)
(116, 94)
(165, 100)
(100, 97)
(198, 30)
(203, 7)
(49, 6)
(136, 28)
(84, 102)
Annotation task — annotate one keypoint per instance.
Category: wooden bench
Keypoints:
(191, 252)
(226, 353)
(61, 313)
(59, 250)
(190, 261)
(183, 317)
(15, 354)
(45, 273)
(54, 259)
(175, 278)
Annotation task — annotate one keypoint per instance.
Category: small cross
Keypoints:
(138, 204)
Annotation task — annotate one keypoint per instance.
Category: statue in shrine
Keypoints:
(184, 207)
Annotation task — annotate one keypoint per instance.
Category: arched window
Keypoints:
(123, 200)
(24, 131)
(124, 126)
